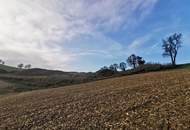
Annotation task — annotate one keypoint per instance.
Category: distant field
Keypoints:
(27, 83)
(34, 79)
(6, 87)
(151, 101)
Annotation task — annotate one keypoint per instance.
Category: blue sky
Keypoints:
(85, 35)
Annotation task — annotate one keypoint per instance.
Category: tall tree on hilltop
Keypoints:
(171, 46)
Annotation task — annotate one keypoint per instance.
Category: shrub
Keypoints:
(105, 72)
(149, 67)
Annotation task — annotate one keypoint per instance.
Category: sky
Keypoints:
(84, 35)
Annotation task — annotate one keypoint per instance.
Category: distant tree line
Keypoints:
(170, 46)
(133, 61)
(22, 66)
(2, 62)
(19, 66)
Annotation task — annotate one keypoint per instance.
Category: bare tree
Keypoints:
(135, 61)
(27, 66)
(132, 60)
(114, 67)
(111, 67)
(20, 66)
(123, 66)
(2, 62)
(140, 60)
(171, 46)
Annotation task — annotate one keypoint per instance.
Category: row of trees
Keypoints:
(22, 66)
(132, 61)
(170, 47)
(2, 62)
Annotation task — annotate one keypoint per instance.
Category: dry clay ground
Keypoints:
(152, 101)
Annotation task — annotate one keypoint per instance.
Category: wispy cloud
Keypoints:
(138, 43)
(34, 31)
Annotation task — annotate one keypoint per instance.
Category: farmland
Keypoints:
(34, 79)
(153, 101)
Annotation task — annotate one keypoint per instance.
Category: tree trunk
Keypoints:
(175, 58)
(172, 59)
(134, 66)
(173, 63)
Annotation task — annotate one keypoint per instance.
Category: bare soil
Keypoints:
(151, 101)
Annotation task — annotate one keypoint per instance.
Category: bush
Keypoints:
(149, 67)
(105, 72)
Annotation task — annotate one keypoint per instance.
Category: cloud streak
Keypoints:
(35, 31)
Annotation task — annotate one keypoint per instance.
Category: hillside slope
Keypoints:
(6, 68)
(152, 101)
(35, 79)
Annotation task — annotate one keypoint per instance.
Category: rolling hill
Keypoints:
(13, 80)
(150, 101)
(5, 68)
